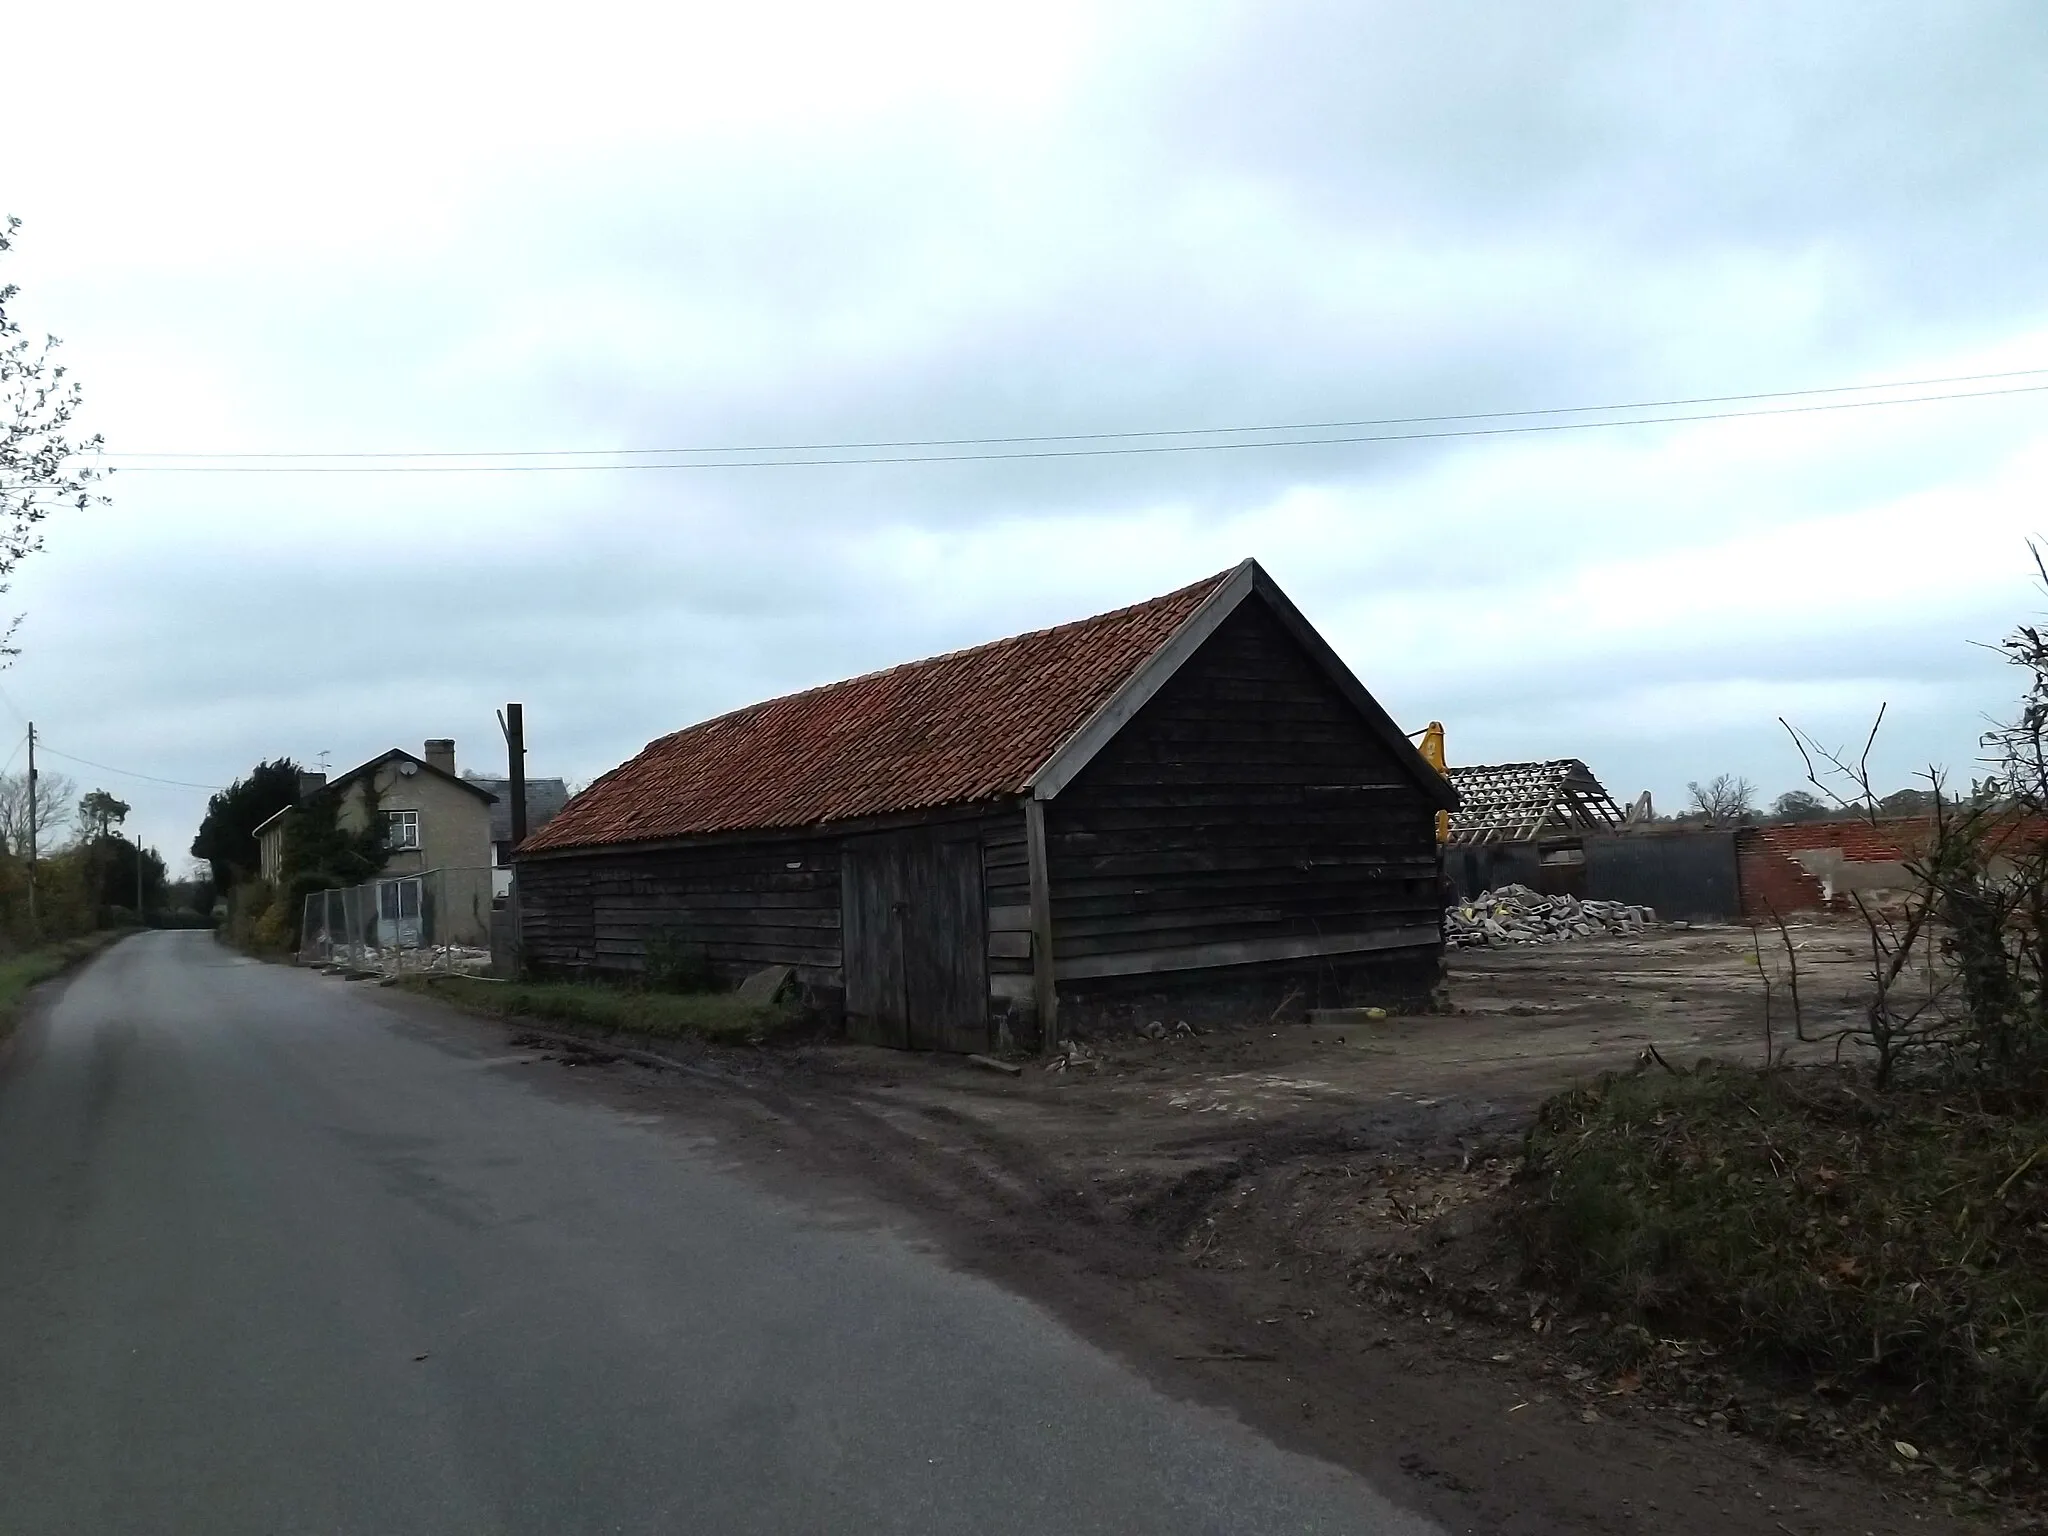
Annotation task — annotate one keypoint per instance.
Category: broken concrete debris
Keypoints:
(1515, 914)
(1072, 1053)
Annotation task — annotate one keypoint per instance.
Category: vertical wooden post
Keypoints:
(1044, 989)
(32, 793)
(515, 755)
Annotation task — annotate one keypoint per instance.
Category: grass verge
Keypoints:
(715, 1016)
(31, 967)
(1889, 1250)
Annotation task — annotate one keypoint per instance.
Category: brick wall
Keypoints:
(1773, 880)
(1770, 880)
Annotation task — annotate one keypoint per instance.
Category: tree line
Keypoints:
(89, 873)
(1728, 799)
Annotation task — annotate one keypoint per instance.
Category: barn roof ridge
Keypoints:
(1018, 715)
(917, 663)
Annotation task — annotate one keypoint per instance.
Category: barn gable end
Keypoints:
(1248, 817)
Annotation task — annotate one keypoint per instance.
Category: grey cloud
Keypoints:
(1290, 212)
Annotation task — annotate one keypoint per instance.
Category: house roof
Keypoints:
(1514, 802)
(400, 754)
(1018, 716)
(544, 801)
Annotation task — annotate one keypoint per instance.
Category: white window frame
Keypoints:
(396, 825)
(392, 903)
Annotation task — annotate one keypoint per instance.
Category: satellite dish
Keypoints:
(408, 769)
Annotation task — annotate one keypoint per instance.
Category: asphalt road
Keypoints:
(274, 1258)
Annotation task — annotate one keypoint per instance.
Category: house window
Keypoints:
(398, 901)
(401, 829)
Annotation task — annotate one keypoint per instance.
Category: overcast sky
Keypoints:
(422, 228)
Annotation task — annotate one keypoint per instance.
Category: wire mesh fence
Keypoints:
(437, 920)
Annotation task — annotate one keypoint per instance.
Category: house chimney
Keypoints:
(310, 784)
(440, 754)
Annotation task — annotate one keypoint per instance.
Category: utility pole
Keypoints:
(31, 823)
(512, 721)
(137, 840)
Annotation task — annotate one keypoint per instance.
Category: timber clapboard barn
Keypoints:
(1187, 808)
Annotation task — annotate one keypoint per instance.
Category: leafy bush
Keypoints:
(1898, 1241)
(64, 902)
(261, 919)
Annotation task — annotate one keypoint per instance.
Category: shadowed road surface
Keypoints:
(274, 1259)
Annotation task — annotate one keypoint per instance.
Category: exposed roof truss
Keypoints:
(1521, 802)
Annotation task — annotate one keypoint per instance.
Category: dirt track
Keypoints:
(1211, 1206)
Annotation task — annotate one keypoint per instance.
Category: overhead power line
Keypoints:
(1084, 437)
(126, 773)
(1121, 450)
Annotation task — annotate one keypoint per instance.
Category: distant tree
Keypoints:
(112, 862)
(1723, 798)
(1907, 802)
(227, 837)
(54, 805)
(1799, 805)
(193, 892)
(41, 467)
(99, 813)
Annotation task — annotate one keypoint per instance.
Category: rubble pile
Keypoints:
(1514, 914)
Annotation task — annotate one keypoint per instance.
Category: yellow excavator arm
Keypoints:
(1432, 749)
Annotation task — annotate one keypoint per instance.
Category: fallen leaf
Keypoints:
(1909, 1451)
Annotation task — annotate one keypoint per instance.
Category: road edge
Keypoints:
(41, 994)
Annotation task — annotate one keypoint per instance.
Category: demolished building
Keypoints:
(1526, 823)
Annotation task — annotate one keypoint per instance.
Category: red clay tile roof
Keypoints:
(967, 726)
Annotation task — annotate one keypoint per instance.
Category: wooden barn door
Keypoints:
(872, 905)
(914, 936)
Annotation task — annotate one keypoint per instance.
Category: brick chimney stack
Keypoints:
(440, 754)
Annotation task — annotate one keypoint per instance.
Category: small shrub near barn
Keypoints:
(1891, 1246)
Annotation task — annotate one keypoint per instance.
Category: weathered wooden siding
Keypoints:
(1246, 815)
(745, 905)
(1006, 881)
